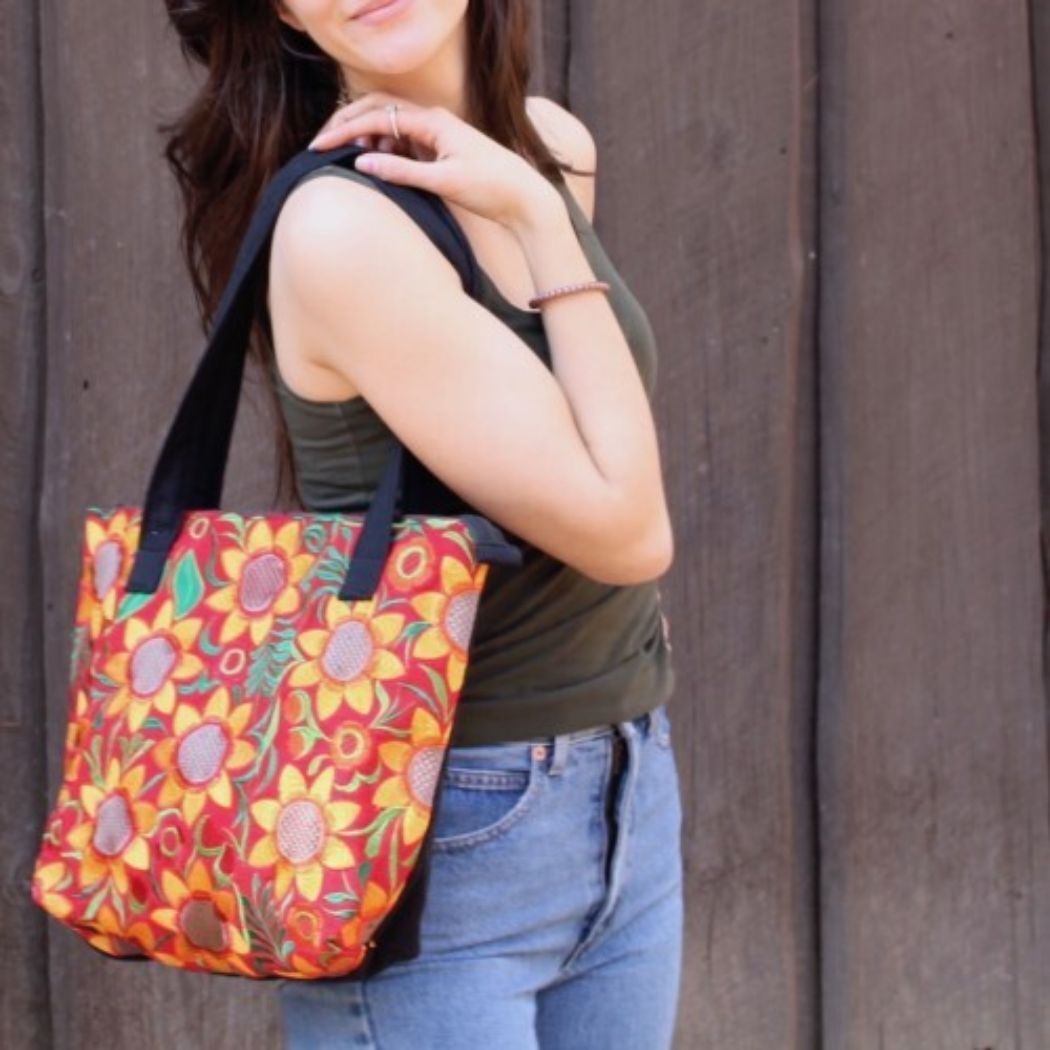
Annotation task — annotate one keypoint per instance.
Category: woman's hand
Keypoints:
(443, 154)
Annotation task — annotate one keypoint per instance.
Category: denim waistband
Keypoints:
(603, 729)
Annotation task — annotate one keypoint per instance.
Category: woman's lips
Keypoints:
(382, 12)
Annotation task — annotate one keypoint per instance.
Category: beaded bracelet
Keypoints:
(568, 289)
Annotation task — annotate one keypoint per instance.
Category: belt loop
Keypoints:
(560, 755)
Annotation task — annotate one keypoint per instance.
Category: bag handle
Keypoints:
(189, 471)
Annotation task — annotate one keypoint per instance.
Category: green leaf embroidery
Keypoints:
(187, 584)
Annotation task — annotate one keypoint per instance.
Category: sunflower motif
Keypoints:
(451, 610)
(205, 920)
(46, 879)
(302, 828)
(375, 904)
(111, 937)
(413, 561)
(417, 765)
(264, 575)
(345, 655)
(113, 837)
(154, 657)
(109, 546)
(77, 728)
(351, 746)
(206, 747)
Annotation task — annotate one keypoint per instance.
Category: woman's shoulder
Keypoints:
(570, 140)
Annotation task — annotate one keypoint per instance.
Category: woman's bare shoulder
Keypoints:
(570, 140)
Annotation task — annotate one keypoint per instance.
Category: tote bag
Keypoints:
(260, 704)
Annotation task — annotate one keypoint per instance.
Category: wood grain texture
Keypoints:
(846, 279)
(932, 743)
(24, 1009)
(123, 337)
(704, 116)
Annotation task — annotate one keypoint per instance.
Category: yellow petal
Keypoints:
(187, 631)
(336, 853)
(396, 753)
(282, 880)
(164, 698)
(287, 537)
(137, 854)
(308, 879)
(237, 719)
(424, 726)
(457, 672)
(259, 627)
(90, 797)
(291, 783)
(265, 811)
(170, 791)
(192, 804)
(386, 665)
(135, 631)
(137, 712)
(186, 718)
(221, 790)
(306, 673)
(360, 695)
(165, 615)
(116, 667)
(263, 854)
(287, 601)
(175, 890)
(391, 794)
(232, 560)
(321, 788)
(454, 574)
(413, 825)
(387, 627)
(312, 642)
(166, 917)
(328, 699)
(241, 755)
(431, 644)
(260, 536)
(199, 881)
(233, 627)
(430, 605)
(222, 600)
(341, 815)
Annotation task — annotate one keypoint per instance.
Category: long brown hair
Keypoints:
(267, 91)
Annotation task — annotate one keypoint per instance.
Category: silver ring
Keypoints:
(391, 108)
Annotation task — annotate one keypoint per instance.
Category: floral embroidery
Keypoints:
(250, 761)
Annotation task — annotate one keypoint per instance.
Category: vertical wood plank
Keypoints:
(123, 337)
(932, 718)
(705, 120)
(24, 1007)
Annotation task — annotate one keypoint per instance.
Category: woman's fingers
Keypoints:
(415, 122)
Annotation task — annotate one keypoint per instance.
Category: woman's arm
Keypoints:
(569, 460)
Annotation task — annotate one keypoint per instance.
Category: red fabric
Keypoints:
(250, 760)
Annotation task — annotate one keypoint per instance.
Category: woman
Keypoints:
(554, 904)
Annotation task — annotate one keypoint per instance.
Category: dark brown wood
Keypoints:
(932, 745)
(860, 720)
(706, 200)
(123, 337)
(24, 1010)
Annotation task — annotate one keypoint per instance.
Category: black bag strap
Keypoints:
(189, 472)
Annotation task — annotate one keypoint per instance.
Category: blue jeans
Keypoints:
(554, 909)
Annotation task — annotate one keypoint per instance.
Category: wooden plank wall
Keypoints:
(831, 211)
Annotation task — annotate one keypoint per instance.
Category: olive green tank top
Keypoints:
(553, 650)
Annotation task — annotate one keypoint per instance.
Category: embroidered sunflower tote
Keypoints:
(260, 705)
